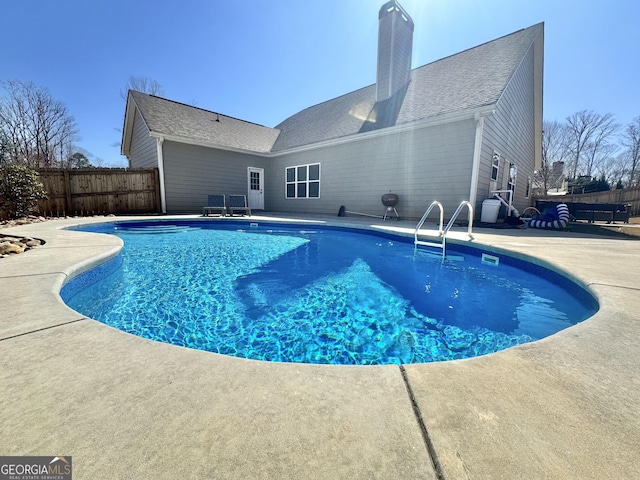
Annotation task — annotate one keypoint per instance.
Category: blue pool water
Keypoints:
(319, 295)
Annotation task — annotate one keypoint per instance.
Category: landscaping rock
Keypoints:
(9, 247)
(23, 221)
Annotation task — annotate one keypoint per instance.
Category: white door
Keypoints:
(255, 180)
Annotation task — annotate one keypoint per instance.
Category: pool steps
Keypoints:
(442, 232)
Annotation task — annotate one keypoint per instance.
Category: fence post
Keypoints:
(67, 192)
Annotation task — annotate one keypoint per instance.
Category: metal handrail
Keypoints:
(417, 242)
(450, 224)
(463, 204)
(442, 233)
(435, 203)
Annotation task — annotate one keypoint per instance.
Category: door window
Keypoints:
(254, 180)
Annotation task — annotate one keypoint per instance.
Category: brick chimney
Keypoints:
(395, 43)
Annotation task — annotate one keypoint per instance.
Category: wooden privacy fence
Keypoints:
(99, 191)
(629, 196)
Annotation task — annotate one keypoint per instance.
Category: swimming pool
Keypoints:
(300, 293)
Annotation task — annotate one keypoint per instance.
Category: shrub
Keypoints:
(20, 190)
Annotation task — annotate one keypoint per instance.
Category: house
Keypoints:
(452, 130)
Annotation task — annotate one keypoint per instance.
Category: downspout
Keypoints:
(163, 196)
(477, 151)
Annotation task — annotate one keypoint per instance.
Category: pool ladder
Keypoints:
(442, 232)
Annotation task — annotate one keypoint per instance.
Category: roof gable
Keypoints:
(196, 125)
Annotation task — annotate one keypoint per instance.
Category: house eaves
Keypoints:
(200, 143)
(538, 63)
(127, 127)
(471, 113)
(405, 127)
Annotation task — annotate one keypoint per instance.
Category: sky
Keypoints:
(265, 60)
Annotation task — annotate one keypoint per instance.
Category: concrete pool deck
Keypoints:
(565, 407)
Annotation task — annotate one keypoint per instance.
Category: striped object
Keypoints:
(561, 214)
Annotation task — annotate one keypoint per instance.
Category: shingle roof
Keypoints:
(470, 79)
(175, 119)
(465, 81)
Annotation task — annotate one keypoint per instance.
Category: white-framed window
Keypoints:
(527, 192)
(495, 166)
(302, 181)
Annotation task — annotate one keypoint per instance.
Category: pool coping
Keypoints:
(562, 407)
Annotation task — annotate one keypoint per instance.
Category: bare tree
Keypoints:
(587, 131)
(599, 151)
(604, 161)
(617, 170)
(13, 117)
(142, 84)
(631, 140)
(6, 150)
(37, 128)
(553, 152)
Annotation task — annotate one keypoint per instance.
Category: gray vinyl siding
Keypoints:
(511, 132)
(143, 152)
(192, 172)
(432, 163)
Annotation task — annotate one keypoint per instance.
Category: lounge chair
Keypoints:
(555, 218)
(238, 203)
(215, 203)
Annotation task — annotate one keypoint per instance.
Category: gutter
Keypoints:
(163, 195)
(190, 141)
(477, 153)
